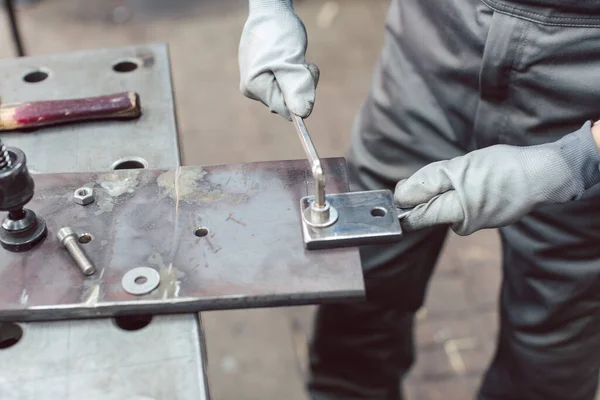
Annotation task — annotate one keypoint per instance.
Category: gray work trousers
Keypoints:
(455, 76)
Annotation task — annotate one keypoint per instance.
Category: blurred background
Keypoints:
(261, 354)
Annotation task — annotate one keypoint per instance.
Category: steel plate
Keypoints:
(252, 256)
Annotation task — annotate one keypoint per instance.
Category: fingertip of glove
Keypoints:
(414, 220)
(315, 72)
(301, 108)
(402, 192)
(282, 112)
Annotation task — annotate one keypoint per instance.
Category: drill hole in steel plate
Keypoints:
(36, 76)
(10, 334)
(124, 66)
(133, 322)
(85, 238)
(378, 212)
(201, 231)
(130, 163)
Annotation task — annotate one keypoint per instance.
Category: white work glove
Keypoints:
(498, 185)
(273, 69)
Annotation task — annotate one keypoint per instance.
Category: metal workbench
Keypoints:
(137, 357)
(96, 359)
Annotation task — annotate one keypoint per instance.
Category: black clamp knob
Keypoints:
(21, 229)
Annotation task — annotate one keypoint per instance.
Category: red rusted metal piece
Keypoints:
(125, 105)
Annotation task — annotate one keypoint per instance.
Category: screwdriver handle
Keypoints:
(125, 105)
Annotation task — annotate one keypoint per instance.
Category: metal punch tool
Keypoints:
(344, 219)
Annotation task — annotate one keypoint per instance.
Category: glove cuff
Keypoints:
(260, 6)
(581, 154)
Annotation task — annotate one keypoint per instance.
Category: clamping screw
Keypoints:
(5, 161)
(21, 230)
(69, 240)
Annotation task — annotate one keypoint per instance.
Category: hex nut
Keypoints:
(84, 196)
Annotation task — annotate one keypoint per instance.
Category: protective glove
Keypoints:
(498, 185)
(273, 69)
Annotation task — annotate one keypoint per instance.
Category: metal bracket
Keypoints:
(363, 218)
(344, 219)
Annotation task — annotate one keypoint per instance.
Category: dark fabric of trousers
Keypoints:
(454, 76)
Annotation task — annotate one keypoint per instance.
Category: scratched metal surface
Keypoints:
(94, 359)
(253, 256)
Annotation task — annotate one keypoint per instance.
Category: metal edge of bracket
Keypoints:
(368, 217)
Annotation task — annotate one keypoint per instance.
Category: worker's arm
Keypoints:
(498, 185)
(273, 69)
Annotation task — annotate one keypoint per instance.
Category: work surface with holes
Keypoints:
(100, 359)
(216, 237)
(100, 146)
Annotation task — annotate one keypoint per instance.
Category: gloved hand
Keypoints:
(273, 69)
(498, 185)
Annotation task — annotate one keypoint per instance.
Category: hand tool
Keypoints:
(320, 213)
(69, 240)
(125, 105)
(344, 219)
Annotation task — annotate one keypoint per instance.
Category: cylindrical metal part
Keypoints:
(313, 159)
(5, 161)
(16, 184)
(68, 238)
(319, 215)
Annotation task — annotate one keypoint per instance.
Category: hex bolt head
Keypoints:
(84, 196)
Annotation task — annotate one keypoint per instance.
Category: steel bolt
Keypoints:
(68, 239)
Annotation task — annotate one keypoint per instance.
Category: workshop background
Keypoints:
(261, 354)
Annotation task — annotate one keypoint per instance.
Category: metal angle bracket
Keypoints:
(363, 218)
(344, 219)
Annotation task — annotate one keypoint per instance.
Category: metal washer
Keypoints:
(132, 287)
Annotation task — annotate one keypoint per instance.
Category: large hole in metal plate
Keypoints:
(130, 163)
(133, 322)
(10, 334)
(125, 66)
(36, 76)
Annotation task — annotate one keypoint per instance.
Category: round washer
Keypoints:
(152, 280)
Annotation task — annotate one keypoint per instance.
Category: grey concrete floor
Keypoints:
(261, 354)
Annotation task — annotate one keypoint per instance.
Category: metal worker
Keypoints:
(493, 86)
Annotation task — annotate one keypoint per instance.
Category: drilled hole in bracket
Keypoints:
(378, 212)
(10, 334)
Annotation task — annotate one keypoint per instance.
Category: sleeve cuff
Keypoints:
(581, 154)
(270, 5)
